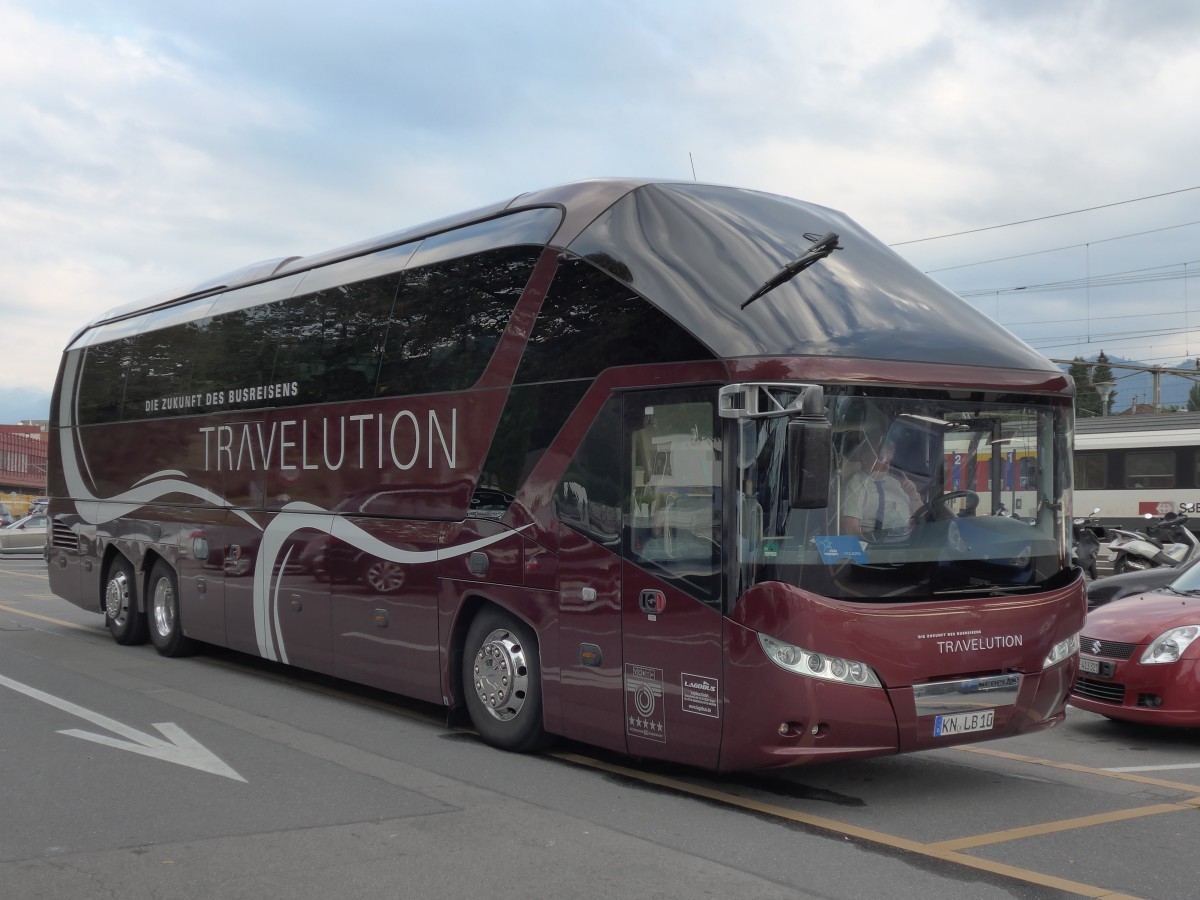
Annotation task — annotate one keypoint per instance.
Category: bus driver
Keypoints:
(877, 500)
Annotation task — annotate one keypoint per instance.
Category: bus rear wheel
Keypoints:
(166, 631)
(502, 682)
(121, 616)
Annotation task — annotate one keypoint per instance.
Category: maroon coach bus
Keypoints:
(590, 462)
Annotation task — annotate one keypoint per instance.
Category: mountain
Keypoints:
(19, 404)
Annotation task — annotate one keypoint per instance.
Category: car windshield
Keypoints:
(1188, 580)
(928, 497)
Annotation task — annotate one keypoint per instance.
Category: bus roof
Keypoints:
(699, 252)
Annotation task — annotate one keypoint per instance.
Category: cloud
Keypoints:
(152, 145)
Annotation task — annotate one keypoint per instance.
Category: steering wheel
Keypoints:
(937, 508)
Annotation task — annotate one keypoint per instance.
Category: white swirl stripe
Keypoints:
(298, 516)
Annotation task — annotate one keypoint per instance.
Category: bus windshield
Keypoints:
(928, 498)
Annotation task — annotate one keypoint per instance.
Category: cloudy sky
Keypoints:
(151, 144)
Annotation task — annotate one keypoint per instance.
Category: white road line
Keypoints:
(1155, 768)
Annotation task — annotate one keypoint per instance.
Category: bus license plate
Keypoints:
(1091, 666)
(962, 723)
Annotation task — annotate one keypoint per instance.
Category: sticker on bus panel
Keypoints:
(701, 695)
(645, 715)
(963, 723)
(834, 547)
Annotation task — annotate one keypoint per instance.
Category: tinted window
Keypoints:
(438, 334)
(1091, 471)
(532, 417)
(235, 349)
(448, 318)
(160, 371)
(330, 342)
(588, 498)
(590, 322)
(1150, 469)
(698, 251)
(102, 383)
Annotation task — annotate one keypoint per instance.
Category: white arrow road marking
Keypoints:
(179, 747)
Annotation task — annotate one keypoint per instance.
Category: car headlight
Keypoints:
(1169, 646)
(818, 665)
(1061, 651)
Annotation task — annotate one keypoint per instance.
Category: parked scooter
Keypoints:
(1163, 542)
(1086, 546)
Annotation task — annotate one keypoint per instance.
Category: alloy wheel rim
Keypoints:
(501, 675)
(163, 607)
(116, 597)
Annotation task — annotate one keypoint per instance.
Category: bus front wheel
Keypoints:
(166, 631)
(502, 682)
(121, 616)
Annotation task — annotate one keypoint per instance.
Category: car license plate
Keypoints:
(963, 723)
(1091, 666)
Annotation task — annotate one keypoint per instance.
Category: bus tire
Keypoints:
(162, 613)
(121, 616)
(502, 681)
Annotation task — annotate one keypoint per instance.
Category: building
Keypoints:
(23, 459)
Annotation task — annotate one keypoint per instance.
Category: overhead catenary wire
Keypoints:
(1161, 336)
(1129, 276)
(1060, 215)
(1118, 237)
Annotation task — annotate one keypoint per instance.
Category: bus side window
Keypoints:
(588, 498)
(674, 521)
(448, 319)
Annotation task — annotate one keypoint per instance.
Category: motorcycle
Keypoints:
(1086, 546)
(1163, 542)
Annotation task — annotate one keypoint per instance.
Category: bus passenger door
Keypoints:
(588, 504)
(671, 579)
(672, 672)
(589, 637)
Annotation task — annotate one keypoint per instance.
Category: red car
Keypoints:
(1139, 657)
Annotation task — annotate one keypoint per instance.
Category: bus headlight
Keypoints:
(1169, 646)
(818, 665)
(1061, 651)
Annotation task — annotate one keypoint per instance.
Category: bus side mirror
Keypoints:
(809, 460)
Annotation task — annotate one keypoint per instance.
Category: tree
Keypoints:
(1087, 400)
(1193, 403)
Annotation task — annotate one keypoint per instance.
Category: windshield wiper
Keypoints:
(1190, 592)
(988, 588)
(822, 247)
